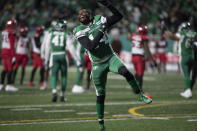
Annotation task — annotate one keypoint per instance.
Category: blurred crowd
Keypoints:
(151, 13)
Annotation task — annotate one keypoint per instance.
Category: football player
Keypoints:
(92, 35)
(9, 39)
(37, 60)
(185, 38)
(22, 53)
(161, 53)
(139, 47)
(55, 55)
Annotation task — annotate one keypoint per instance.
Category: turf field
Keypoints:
(31, 109)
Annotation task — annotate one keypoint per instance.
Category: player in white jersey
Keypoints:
(22, 52)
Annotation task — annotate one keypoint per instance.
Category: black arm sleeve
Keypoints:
(88, 44)
(117, 16)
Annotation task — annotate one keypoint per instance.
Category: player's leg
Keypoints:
(194, 74)
(35, 66)
(140, 64)
(32, 76)
(99, 77)
(40, 64)
(77, 88)
(24, 63)
(3, 73)
(54, 75)
(9, 86)
(186, 68)
(16, 65)
(88, 79)
(64, 78)
(116, 66)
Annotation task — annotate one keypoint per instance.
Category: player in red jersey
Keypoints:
(139, 47)
(161, 53)
(9, 39)
(37, 60)
(22, 52)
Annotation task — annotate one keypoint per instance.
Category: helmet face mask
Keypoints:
(23, 31)
(185, 27)
(59, 25)
(142, 29)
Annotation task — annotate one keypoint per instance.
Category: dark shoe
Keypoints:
(54, 99)
(62, 99)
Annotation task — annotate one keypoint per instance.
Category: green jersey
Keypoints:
(103, 51)
(58, 41)
(185, 42)
(79, 49)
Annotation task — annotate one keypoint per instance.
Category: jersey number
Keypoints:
(91, 37)
(137, 44)
(58, 40)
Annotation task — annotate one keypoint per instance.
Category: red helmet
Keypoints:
(23, 30)
(142, 29)
(39, 29)
(11, 23)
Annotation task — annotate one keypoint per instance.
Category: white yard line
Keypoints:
(26, 109)
(192, 120)
(89, 113)
(56, 111)
(90, 104)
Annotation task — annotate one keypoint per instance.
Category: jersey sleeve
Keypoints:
(78, 32)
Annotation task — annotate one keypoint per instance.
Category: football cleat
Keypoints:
(144, 98)
(187, 93)
(54, 98)
(30, 83)
(42, 85)
(149, 96)
(62, 99)
(11, 88)
(77, 89)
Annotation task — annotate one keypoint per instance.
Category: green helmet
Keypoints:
(59, 25)
(184, 26)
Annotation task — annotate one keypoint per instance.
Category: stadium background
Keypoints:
(33, 13)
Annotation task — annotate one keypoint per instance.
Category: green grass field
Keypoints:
(31, 109)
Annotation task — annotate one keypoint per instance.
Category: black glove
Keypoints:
(104, 2)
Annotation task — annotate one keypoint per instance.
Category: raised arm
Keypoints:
(117, 16)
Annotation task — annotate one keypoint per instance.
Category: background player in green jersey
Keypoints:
(77, 88)
(82, 62)
(92, 36)
(56, 49)
(185, 37)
